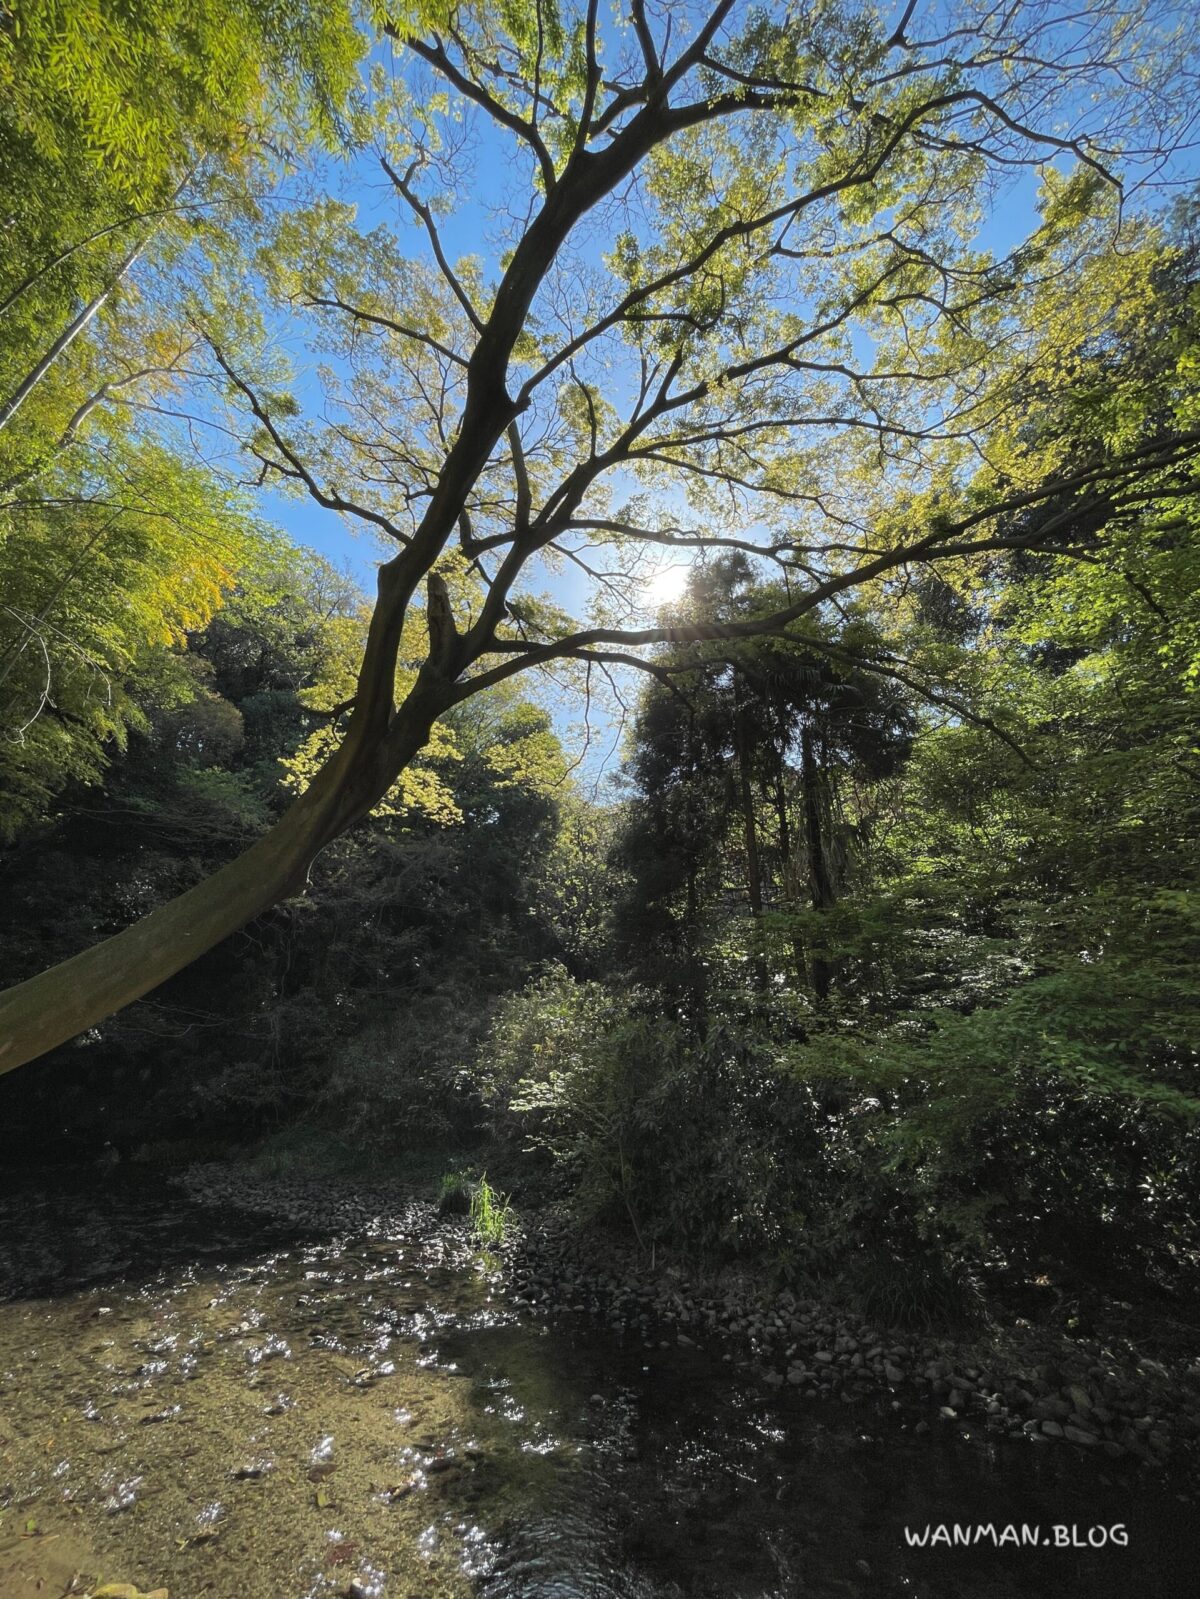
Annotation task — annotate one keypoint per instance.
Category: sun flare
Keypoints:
(666, 586)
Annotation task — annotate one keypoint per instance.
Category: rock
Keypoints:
(1076, 1435)
(825, 1356)
(1079, 1397)
(1052, 1429)
(947, 1413)
(892, 1372)
(957, 1399)
(921, 1429)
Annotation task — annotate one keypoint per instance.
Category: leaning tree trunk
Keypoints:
(65, 1000)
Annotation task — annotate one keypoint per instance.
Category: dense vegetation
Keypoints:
(877, 960)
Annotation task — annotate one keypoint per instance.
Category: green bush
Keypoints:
(454, 1194)
(917, 1289)
(699, 1144)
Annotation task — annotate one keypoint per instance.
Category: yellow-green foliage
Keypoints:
(96, 593)
(138, 88)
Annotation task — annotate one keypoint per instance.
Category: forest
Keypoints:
(599, 668)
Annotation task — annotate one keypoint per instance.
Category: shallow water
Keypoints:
(195, 1399)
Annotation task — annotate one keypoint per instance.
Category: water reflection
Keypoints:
(367, 1415)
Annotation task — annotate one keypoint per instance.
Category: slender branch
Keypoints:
(330, 499)
(376, 319)
(940, 697)
(435, 56)
(944, 542)
(418, 206)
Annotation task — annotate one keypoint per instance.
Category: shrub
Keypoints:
(698, 1143)
(918, 1289)
(454, 1194)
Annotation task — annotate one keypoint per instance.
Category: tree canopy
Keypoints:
(743, 287)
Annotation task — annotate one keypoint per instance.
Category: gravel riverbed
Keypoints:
(1017, 1384)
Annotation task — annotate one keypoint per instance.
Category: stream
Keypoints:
(209, 1402)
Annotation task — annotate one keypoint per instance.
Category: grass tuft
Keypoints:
(491, 1213)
